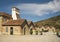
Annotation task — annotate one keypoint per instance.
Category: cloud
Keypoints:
(40, 9)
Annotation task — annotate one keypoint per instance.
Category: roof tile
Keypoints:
(14, 22)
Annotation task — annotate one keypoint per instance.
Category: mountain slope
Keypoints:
(49, 22)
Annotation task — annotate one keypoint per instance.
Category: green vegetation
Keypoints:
(57, 26)
(54, 21)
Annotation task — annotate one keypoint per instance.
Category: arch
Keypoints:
(31, 31)
(24, 31)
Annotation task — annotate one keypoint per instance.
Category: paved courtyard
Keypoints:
(46, 37)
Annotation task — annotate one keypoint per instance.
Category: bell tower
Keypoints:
(15, 13)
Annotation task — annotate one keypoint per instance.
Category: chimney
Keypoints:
(15, 13)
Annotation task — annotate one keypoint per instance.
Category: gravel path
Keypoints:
(46, 37)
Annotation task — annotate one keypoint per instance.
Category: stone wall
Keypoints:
(16, 30)
(1, 24)
(26, 30)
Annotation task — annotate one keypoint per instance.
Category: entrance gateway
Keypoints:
(11, 30)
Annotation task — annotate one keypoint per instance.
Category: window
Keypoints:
(6, 29)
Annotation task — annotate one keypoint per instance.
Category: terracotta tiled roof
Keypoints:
(14, 22)
(5, 14)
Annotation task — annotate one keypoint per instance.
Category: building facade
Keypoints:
(13, 24)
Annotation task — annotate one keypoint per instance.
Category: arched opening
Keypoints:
(31, 31)
(24, 31)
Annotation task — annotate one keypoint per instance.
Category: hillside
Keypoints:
(49, 22)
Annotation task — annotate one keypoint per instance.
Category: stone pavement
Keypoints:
(46, 37)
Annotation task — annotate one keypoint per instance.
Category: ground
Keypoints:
(46, 37)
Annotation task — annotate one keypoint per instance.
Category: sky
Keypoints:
(33, 10)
